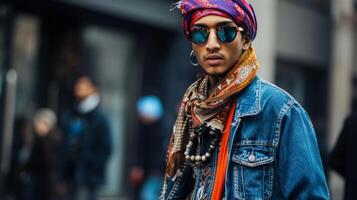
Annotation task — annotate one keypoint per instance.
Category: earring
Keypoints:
(193, 59)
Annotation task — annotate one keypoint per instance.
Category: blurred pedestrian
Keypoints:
(237, 136)
(152, 186)
(87, 146)
(343, 158)
(44, 154)
(146, 175)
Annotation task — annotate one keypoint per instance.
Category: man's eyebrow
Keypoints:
(225, 23)
(200, 25)
(218, 24)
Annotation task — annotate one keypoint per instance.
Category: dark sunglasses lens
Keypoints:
(199, 36)
(227, 34)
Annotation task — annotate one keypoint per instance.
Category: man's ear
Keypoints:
(246, 42)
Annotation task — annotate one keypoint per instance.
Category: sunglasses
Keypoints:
(225, 34)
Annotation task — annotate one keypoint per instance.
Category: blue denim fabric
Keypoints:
(273, 153)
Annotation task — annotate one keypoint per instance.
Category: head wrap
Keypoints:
(240, 11)
(198, 14)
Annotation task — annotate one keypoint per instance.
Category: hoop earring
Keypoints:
(193, 59)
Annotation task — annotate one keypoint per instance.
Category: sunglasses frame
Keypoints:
(208, 33)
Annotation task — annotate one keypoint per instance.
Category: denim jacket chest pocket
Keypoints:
(253, 171)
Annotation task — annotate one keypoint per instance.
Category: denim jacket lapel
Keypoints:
(248, 102)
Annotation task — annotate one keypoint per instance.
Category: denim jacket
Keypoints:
(273, 153)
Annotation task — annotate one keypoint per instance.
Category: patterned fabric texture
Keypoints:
(240, 10)
(198, 106)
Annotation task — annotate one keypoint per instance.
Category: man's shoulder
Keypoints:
(274, 99)
(274, 94)
(263, 97)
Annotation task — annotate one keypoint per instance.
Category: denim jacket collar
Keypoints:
(248, 102)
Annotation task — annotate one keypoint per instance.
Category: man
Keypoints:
(237, 136)
(86, 147)
(342, 158)
(42, 162)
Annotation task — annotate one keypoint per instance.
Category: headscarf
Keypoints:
(240, 11)
(198, 14)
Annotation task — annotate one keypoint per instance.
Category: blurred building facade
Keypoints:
(136, 48)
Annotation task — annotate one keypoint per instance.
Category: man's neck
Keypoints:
(213, 80)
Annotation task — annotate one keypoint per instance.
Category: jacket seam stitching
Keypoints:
(285, 109)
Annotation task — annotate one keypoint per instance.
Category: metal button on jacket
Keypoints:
(251, 157)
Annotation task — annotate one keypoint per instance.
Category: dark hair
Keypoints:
(80, 74)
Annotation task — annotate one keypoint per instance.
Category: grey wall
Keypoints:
(152, 12)
(355, 50)
(303, 34)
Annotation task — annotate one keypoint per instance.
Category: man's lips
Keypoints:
(214, 59)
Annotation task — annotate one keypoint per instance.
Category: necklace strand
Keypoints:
(196, 138)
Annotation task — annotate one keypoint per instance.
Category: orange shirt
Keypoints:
(219, 182)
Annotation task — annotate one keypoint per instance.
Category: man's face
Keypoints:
(215, 57)
(83, 88)
(41, 128)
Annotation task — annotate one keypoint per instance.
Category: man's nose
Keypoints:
(212, 42)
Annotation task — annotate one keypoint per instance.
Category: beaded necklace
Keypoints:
(197, 138)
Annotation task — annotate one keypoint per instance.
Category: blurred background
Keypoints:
(140, 58)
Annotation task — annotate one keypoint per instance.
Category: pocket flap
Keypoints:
(253, 156)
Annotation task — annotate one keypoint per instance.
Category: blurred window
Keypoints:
(322, 6)
(3, 28)
(304, 82)
(24, 59)
(108, 52)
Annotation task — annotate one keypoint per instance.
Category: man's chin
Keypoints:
(219, 70)
(216, 75)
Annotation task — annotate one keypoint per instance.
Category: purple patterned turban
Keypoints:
(240, 11)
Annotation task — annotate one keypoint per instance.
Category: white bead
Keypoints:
(207, 155)
(192, 158)
(187, 157)
(198, 158)
(203, 158)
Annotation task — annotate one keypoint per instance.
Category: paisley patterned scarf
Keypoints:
(198, 106)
